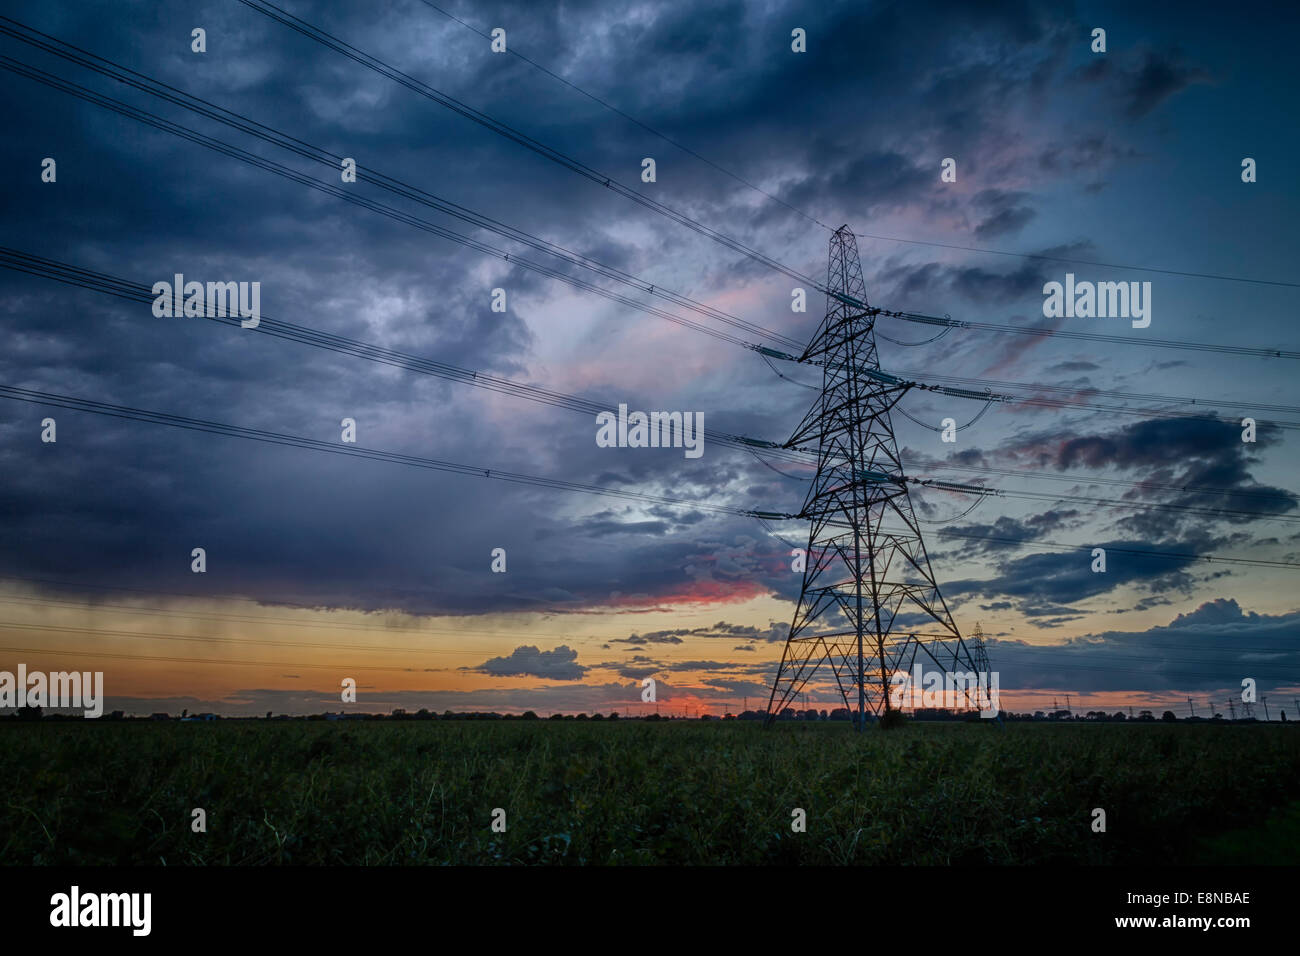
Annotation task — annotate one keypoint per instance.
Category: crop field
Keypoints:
(629, 792)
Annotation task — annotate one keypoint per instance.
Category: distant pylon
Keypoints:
(859, 574)
(980, 653)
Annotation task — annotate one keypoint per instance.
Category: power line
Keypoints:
(979, 500)
(119, 287)
(911, 345)
(1082, 262)
(1054, 546)
(526, 238)
(138, 292)
(161, 418)
(298, 146)
(504, 129)
(1102, 393)
(632, 119)
(897, 380)
(268, 134)
(327, 39)
(234, 431)
(1141, 552)
(937, 464)
(1148, 413)
(312, 182)
(938, 429)
(424, 225)
(1134, 340)
(1105, 502)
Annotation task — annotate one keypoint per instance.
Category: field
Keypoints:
(627, 792)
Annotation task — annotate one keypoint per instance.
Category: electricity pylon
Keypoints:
(979, 651)
(860, 575)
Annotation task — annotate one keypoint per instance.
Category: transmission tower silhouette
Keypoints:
(860, 576)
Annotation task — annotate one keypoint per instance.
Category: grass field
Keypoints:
(626, 792)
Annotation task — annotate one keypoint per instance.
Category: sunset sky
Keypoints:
(322, 567)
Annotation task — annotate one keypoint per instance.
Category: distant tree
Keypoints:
(530, 715)
(1168, 715)
(1119, 715)
(1146, 715)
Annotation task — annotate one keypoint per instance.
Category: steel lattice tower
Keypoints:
(860, 574)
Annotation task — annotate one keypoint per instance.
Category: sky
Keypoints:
(321, 567)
